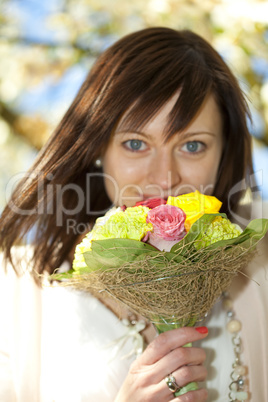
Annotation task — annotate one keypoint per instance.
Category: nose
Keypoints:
(164, 171)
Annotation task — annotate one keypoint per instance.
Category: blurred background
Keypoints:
(47, 48)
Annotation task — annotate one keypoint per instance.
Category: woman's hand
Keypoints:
(166, 355)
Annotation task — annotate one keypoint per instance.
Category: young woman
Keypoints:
(159, 114)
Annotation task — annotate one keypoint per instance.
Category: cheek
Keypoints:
(208, 174)
(122, 172)
(122, 178)
(110, 182)
(201, 174)
(123, 169)
(111, 188)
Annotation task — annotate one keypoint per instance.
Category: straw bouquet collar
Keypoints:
(168, 261)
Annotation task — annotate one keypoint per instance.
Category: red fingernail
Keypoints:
(201, 330)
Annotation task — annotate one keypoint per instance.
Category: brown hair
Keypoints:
(143, 69)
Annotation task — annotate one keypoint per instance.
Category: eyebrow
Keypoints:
(134, 132)
(182, 135)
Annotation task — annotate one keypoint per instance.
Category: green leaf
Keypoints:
(61, 276)
(185, 246)
(121, 249)
(92, 263)
(113, 253)
(116, 252)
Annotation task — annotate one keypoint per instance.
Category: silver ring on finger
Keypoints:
(171, 383)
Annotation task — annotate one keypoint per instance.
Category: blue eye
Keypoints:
(193, 146)
(135, 145)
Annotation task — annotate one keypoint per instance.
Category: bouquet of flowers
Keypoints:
(167, 260)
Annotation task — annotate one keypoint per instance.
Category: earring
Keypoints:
(98, 163)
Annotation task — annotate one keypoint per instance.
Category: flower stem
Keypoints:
(163, 327)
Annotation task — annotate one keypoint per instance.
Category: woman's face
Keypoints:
(140, 165)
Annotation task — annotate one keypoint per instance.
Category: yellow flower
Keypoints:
(195, 205)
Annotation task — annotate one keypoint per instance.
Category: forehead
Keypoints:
(207, 118)
(162, 113)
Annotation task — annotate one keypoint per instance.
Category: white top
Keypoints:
(56, 344)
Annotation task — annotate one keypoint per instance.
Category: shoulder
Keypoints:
(21, 258)
(258, 265)
(257, 268)
(260, 210)
(16, 279)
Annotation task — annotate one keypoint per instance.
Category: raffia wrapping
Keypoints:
(165, 290)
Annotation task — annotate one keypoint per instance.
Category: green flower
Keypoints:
(130, 224)
(116, 224)
(81, 248)
(135, 218)
(85, 245)
(219, 229)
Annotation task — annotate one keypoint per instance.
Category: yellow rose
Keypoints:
(195, 205)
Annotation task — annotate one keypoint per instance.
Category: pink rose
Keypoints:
(151, 202)
(168, 223)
